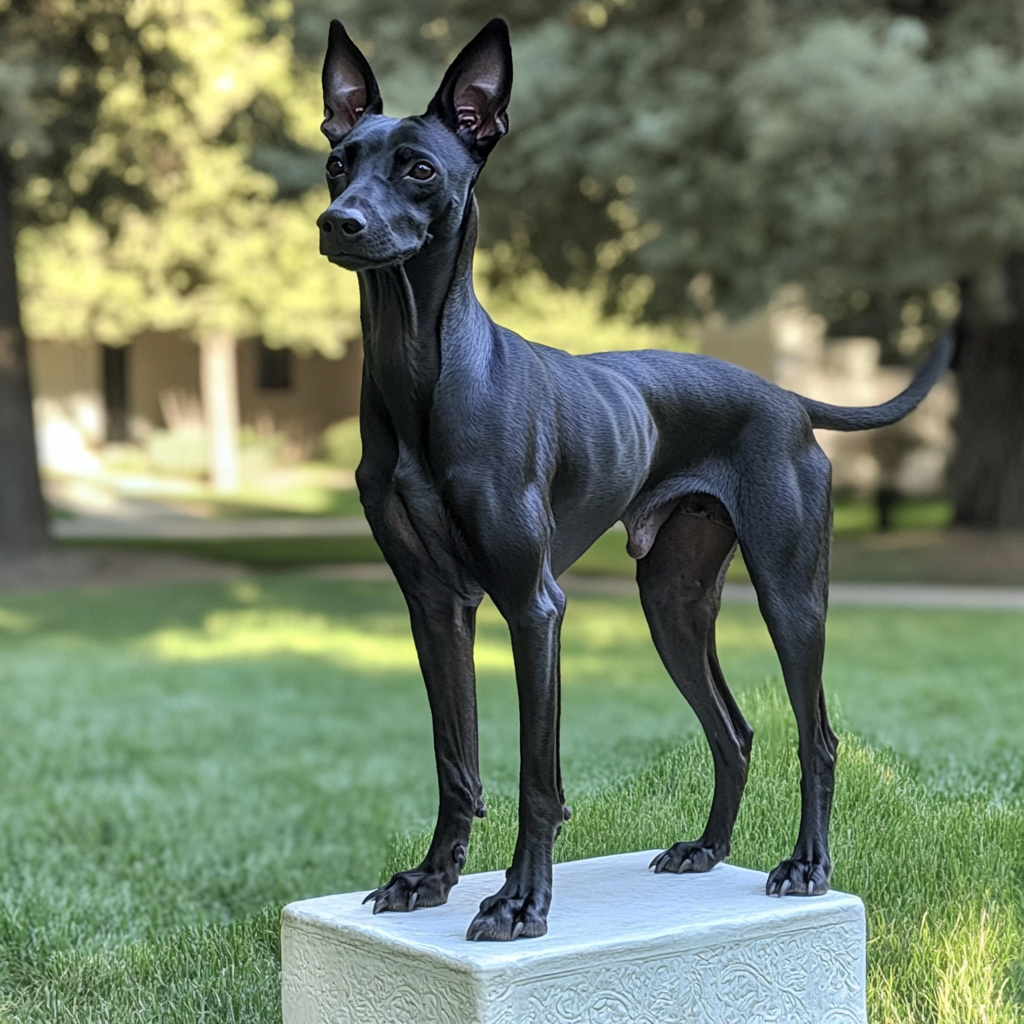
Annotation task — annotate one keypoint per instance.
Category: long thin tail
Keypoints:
(841, 417)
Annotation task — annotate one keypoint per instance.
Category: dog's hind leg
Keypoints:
(680, 581)
(786, 553)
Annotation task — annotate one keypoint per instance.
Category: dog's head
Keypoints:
(392, 179)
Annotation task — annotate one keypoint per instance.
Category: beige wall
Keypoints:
(747, 343)
(60, 370)
(159, 364)
(322, 391)
(786, 343)
(68, 384)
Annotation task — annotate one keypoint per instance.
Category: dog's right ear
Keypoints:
(350, 90)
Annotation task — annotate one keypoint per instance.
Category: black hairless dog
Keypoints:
(491, 464)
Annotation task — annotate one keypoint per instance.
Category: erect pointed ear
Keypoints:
(473, 98)
(350, 90)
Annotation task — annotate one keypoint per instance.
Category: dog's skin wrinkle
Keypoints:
(490, 464)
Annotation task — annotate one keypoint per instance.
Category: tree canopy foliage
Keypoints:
(847, 144)
(851, 145)
(215, 249)
(58, 58)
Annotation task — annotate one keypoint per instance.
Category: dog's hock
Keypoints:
(350, 90)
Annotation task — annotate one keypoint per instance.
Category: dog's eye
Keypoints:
(335, 166)
(422, 171)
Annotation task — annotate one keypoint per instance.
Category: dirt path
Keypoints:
(934, 560)
(892, 595)
(107, 567)
(965, 557)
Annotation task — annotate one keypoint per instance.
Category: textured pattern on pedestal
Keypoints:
(624, 945)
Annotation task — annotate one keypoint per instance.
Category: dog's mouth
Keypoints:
(366, 261)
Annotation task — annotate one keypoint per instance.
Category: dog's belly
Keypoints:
(579, 523)
(606, 443)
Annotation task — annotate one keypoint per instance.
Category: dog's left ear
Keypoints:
(473, 98)
(350, 90)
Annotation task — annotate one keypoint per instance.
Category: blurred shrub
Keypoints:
(342, 443)
(181, 450)
(178, 452)
(124, 458)
(261, 447)
(574, 319)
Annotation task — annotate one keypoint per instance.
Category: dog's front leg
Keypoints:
(520, 907)
(443, 625)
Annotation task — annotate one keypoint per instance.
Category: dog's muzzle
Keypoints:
(347, 240)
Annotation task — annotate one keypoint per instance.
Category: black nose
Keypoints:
(352, 223)
(349, 221)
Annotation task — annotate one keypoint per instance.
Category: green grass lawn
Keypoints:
(179, 761)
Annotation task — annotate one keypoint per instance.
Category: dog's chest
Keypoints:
(414, 508)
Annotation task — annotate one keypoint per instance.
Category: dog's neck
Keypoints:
(413, 317)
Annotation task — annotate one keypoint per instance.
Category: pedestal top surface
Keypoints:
(600, 903)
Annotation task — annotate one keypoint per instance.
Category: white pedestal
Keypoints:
(624, 946)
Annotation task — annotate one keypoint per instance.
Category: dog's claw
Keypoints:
(506, 918)
(459, 855)
(411, 889)
(799, 878)
(685, 858)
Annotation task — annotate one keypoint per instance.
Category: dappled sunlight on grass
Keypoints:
(958, 970)
(743, 634)
(15, 622)
(375, 644)
(252, 633)
(598, 634)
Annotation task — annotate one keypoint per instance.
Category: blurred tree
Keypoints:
(56, 59)
(707, 151)
(220, 253)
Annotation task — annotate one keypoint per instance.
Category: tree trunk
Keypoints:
(219, 381)
(988, 469)
(23, 518)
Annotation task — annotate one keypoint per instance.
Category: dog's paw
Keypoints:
(504, 918)
(685, 857)
(411, 889)
(799, 878)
